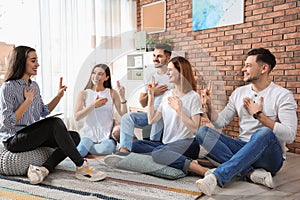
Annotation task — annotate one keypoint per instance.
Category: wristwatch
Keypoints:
(255, 115)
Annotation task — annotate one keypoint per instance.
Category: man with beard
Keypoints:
(161, 56)
(267, 120)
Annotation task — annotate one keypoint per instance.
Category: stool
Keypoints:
(17, 163)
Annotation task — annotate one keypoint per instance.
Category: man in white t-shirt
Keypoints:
(161, 56)
(267, 120)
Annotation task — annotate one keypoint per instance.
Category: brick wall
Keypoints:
(218, 53)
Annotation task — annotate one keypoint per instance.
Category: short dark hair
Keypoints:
(167, 48)
(263, 55)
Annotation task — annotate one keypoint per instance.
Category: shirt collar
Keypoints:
(23, 82)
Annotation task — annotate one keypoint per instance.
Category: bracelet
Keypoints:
(255, 115)
(124, 102)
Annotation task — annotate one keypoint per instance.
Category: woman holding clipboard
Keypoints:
(21, 109)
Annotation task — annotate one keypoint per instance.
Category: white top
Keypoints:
(99, 122)
(160, 79)
(174, 128)
(279, 105)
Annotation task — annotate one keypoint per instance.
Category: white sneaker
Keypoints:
(87, 173)
(208, 184)
(36, 174)
(261, 176)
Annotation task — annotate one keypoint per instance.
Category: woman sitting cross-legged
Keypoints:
(180, 110)
(95, 105)
(21, 109)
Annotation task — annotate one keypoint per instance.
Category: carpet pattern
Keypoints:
(119, 184)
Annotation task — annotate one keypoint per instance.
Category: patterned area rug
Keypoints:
(119, 184)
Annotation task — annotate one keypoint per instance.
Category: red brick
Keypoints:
(284, 30)
(273, 26)
(292, 23)
(285, 6)
(285, 18)
(293, 48)
(262, 33)
(218, 53)
(251, 40)
(291, 35)
(272, 38)
(292, 72)
(262, 11)
(292, 11)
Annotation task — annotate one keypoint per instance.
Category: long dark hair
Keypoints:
(184, 67)
(107, 83)
(17, 63)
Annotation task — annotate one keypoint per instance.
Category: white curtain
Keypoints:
(76, 35)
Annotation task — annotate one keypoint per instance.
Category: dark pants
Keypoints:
(49, 132)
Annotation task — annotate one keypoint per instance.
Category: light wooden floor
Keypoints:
(287, 183)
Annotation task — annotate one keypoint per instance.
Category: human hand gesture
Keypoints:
(99, 102)
(205, 96)
(151, 87)
(175, 102)
(251, 106)
(62, 88)
(29, 95)
(160, 89)
(121, 90)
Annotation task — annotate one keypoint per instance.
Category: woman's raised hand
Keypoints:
(151, 87)
(62, 88)
(121, 90)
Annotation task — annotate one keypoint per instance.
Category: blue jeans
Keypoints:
(105, 147)
(263, 150)
(133, 120)
(178, 154)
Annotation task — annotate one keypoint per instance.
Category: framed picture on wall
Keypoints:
(154, 17)
(211, 14)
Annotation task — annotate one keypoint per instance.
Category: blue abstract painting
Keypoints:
(216, 13)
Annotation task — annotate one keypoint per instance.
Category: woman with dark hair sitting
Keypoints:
(22, 129)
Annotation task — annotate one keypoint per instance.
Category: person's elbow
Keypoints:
(194, 129)
(292, 137)
(143, 104)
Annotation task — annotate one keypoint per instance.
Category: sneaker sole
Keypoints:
(203, 188)
(99, 178)
(271, 183)
(113, 160)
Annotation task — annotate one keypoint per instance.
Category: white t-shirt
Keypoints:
(279, 105)
(160, 79)
(174, 128)
(99, 122)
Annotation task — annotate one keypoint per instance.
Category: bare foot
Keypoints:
(124, 150)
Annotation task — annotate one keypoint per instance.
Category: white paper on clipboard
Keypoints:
(54, 115)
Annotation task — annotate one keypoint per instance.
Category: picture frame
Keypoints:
(153, 17)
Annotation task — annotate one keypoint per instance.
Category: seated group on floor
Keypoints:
(266, 111)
